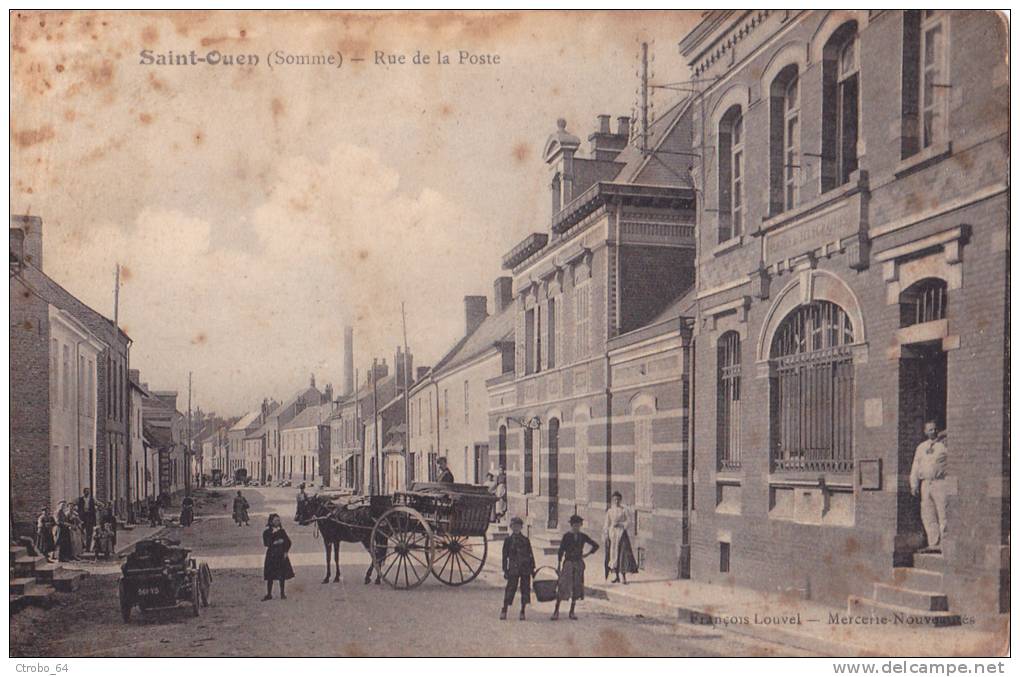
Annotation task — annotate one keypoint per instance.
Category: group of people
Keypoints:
(575, 545)
(85, 525)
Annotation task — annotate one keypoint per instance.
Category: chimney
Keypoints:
(381, 370)
(29, 236)
(312, 381)
(348, 361)
(398, 367)
(135, 375)
(502, 294)
(605, 145)
(420, 373)
(327, 395)
(265, 409)
(623, 126)
(476, 309)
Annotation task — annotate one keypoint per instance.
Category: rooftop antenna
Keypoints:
(116, 296)
(644, 97)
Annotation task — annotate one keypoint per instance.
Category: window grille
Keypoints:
(728, 399)
(812, 390)
(925, 301)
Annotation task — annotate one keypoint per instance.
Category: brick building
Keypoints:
(596, 303)
(851, 285)
(32, 295)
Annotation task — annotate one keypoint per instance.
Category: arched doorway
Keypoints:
(553, 468)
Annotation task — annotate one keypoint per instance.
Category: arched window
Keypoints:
(554, 472)
(728, 401)
(784, 141)
(840, 104)
(731, 174)
(924, 301)
(812, 390)
(925, 80)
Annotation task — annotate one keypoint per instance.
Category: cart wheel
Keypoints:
(195, 597)
(459, 559)
(125, 603)
(204, 582)
(402, 547)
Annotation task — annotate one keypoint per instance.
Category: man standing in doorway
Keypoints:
(928, 480)
(87, 513)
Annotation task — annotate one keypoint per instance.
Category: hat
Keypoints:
(576, 519)
(516, 520)
(617, 493)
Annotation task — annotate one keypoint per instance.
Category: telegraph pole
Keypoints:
(644, 96)
(408, 470)
(187, 453)
(376, 487)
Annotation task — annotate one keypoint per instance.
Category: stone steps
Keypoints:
(930, 561)
(914, 599)
(22, 585)
(918, 579)
(25, 565)
(34, 580)
(68, 581)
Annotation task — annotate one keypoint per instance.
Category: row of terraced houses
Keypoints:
(741, 317)
(80, 417)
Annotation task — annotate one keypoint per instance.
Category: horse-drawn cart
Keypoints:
(433, 528)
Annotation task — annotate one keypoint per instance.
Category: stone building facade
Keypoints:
(852, 268)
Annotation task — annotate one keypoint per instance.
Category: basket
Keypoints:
(545, 591)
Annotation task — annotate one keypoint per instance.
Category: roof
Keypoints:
(682, 306)
(292, 399)
(246, 421)
(493, 330)
(310, 417)
(663, 167)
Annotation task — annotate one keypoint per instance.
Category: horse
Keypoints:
(341, 523)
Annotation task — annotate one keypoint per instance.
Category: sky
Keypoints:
(255, 211)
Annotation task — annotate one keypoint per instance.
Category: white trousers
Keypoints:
(933, 510)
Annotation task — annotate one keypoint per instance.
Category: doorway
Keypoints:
(922, 397)
(481, 462)
(554, 464)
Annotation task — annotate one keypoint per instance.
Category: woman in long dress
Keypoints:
(619, 555)
(44, 527)
(501, 502)
(277, 565)
(77, 535)
(240, 509)
(64, 551)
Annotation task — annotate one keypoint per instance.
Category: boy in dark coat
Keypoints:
(570, 562)
(518, 567)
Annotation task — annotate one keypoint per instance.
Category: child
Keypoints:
(104, 540)
(570, 562)
(518, 566)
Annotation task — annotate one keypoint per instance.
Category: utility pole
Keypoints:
(187, 453)
(644, 97)
(377, 484)
(408, 470)
(116, 297)
(359, 438)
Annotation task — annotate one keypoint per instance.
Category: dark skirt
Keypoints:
(571, 584)
(625, 561)
(44, 541)
(277, 566)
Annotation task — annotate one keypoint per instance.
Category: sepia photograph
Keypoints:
(523, 334)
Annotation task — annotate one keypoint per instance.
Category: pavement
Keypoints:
(344, 618)
(791, 621)
(652, 616)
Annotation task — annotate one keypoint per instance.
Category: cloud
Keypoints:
(333, 242)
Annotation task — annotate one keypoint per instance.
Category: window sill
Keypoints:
(858, 182)
(728, 245)
(924, 158)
